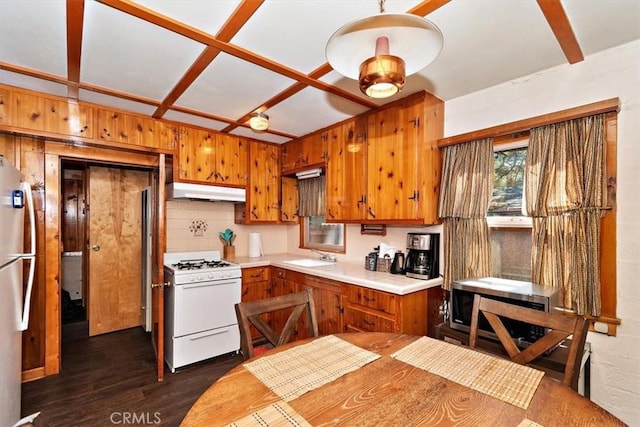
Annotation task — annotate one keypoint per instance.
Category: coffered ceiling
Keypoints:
(213, 62)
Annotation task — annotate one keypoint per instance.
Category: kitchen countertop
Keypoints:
(344, 271)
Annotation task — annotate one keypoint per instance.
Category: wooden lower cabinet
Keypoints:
(327, 297)
(342, 307)
(371, 310)
(256, 285)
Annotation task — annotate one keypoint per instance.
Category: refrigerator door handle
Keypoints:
(26, 188)
(31, 256)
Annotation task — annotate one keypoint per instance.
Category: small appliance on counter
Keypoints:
(423, 253)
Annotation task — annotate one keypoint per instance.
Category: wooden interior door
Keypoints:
(114, 248)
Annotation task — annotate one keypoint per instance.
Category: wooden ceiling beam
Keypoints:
(152, 17)
(75, 22)
(427, 6)
(561, 27)
(226, 120)
(236, 21)
(285, 94)
(422, 9)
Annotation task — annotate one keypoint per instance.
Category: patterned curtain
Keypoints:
(565, 180)
(465, 193)
(311, 195)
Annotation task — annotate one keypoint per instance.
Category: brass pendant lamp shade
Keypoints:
(381, 50)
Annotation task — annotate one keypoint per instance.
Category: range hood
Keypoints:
(183, 190)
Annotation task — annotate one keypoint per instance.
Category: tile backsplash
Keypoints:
(194, 226)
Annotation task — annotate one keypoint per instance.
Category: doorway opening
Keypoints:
(101, 247)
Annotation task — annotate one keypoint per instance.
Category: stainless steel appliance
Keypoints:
(14, 303)
(526, 294)
(423, 255)
(200, 319)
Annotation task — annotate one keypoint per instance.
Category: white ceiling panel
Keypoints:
(619, 21)
(303, 28)
(41, 23)
(127, 54)
(205, 15)
(320, 110)
(32, 83)
(500, 41)
(115, 102)
(179, 116)
(262, 136)
(231, 87)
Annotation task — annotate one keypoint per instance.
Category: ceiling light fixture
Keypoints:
(259, 121)
(414, 42)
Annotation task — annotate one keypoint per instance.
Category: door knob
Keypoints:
(95, 247)
(161, 285)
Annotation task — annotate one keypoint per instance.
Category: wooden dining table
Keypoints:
(390, 392)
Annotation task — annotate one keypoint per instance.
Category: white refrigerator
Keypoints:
(14, 299)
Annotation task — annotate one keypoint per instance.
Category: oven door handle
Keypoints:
(209, 283)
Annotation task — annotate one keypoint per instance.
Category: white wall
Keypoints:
(615, 373)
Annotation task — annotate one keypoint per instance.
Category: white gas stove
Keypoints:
(200, 319)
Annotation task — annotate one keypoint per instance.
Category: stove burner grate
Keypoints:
(198, 264)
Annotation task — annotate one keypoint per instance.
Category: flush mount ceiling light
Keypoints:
(259, 121)
(402, 44)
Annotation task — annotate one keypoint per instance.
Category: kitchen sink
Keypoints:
(307, 262)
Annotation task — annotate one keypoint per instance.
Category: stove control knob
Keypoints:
(211, 276)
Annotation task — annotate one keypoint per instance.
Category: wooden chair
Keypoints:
(560, 325)
(248, 313)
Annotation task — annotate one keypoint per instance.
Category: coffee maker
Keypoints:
(423, 253)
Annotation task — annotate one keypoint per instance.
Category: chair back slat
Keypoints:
(249, 313)
(560, 327)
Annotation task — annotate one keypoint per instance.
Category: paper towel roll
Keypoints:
(255, 245)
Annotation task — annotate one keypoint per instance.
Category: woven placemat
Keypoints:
(278, 414)
(499, 378)
(293, 372)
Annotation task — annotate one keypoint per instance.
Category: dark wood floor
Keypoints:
(107, 378)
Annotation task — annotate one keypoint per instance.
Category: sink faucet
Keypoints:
(325, 256)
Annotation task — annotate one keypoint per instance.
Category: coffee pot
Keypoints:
(397, 265)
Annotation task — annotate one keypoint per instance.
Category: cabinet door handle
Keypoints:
(368, 299)
(416, 196)
(371, 213)
(330, 213)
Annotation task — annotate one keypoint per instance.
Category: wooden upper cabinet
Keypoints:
(127, 128)
(392, 166)
(40, 113)
(209, 157)
(305, 153)
(232, 160)
(346, 172)
(385, 166)
(290, 200)
(263, 189)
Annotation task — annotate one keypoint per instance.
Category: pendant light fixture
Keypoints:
(381, 50)
(259, 121)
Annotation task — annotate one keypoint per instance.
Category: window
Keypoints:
(510, 232)
(320, 235)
